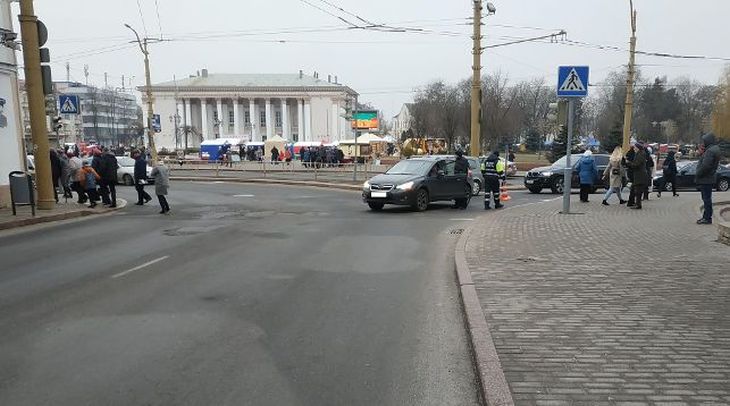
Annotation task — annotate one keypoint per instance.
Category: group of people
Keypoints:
(94, 177)
(321, 156)
(637, 166)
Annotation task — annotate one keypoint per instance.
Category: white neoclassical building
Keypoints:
(252, 107)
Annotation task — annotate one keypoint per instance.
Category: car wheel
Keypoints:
(557, 186)
(723, 185)
(476, 187)
(128, 181)
(376, 206)
(422, 200)
(535, 190)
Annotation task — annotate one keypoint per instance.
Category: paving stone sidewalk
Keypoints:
(609, 307)
(64, 210)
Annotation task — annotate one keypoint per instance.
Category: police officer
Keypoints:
(493, 171)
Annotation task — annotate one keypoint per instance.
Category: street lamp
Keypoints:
(142, 42)
(476, 84)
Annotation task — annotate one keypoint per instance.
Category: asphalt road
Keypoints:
(246, 294)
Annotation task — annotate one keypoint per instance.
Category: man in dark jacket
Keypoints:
(493, 172)
(705, 177)
(461, 169)
(649, 170)
(56, 170)
(641, 177)
(669, 174)
(108, 182)
(630, 155)
(140, 178)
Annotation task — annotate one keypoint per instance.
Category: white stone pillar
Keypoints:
(204, 119)
(188, 120)
(253, 114)
(269, 123)
(335, 119)
(236, 118)
(285, 120)
(300, 119)
(221, 120)
(308, 120)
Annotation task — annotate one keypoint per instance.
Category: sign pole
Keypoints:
(568, 172)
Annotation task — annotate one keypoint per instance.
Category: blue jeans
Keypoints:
(706, 191)
(610, 191)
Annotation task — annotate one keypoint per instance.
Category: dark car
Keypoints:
(551, 177)
(416, 183)
(686, 177)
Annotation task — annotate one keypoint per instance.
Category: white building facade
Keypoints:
(252, 107)
(402, 121)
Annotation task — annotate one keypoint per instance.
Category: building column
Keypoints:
(188, 119)
(285, 131)
(236, 119)
(204, 119)
(334, 127)
(308, 120)
(221, 120)
(300, 119)
(269, 124)
(254, 119)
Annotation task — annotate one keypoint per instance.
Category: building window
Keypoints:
(262, 118)
(278, 118)
(231, 119)
(215, 117)
(247, 117)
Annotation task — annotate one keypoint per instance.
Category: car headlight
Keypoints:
(546, 173)
(405, 186)
(366, 185)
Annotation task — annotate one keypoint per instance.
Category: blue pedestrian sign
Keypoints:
(156, 124)
(68, 104)
(573, 81)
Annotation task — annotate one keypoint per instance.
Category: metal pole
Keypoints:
(629, 106)
(568, 171)
(150, 112)
(476, 84)
(357, 145)
(36, 104)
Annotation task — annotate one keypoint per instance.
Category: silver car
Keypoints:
(125, 170)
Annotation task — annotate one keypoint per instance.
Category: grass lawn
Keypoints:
(531, 158)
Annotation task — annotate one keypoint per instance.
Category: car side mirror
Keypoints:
(440, 173)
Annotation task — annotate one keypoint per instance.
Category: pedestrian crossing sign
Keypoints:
(68, 104)
(573, 81)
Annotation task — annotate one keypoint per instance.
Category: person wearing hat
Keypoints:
(705, 176)
(461, 169)
(587, 172)
(493, 170)
(640, 176)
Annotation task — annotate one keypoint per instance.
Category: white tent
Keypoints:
(275, 141)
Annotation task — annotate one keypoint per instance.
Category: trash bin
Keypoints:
(21, 191)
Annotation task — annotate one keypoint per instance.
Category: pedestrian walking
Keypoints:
(108, 182)
(705, 177)
(493, 170)
(161, 175)
(615, 174)
(641, 177)
(649, 171)
(89, 178)
(140, 178)
(669, 174)
(630, 155)
(587, 172)
(55, 172)
(461, 169)
(65, 175)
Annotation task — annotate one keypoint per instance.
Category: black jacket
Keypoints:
(629, 170)
(710, 159)
(669, 169)
(641, 176)
(140, 169)
(461, 165)
(56, 168)
(109, 167)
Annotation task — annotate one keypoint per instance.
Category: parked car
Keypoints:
(510, 166)
(125, 171)
(476, 179)
(416, 182)
(686, 177)
(551, 177)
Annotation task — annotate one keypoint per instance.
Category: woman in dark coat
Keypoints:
(669, 174)
(56, 170)
(641, 176)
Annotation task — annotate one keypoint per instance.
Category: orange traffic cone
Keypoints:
(504, 194)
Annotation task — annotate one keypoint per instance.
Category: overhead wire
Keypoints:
(141, 16)
(159, 20)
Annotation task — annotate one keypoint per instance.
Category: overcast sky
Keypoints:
(241, 36)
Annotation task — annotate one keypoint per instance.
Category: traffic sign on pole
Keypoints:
(69, 104)
(573, 81)
(156, 123)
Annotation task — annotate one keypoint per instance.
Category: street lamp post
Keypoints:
(476, 83)
(148, 82)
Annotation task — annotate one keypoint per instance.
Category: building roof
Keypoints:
(249, 81)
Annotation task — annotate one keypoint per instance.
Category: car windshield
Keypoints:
(410, 167)
(560, 163)
(125, 161)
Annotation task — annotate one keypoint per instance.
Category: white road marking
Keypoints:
(137, 268)
(461, 219)
(244, 196)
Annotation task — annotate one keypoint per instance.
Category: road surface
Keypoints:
(244, 295)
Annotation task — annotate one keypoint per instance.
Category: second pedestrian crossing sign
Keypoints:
(573, 81)
(68, 104)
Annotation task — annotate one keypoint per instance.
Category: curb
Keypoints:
(60, 217)
(341, 186)
(493, 386)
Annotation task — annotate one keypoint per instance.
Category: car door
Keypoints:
(686, 175)
(434, 182)
(454, 184)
